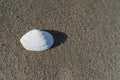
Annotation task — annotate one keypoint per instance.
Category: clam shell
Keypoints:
(37, 40)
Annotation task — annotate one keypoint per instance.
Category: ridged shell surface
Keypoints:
(37, 40)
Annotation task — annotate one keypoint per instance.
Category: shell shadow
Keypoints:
(59, 37)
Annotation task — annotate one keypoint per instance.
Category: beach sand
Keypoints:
(87, 34)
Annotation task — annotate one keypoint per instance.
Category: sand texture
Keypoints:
(87, 34)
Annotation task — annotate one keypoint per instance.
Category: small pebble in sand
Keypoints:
(37, 40)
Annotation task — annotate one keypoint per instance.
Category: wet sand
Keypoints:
(87, 49)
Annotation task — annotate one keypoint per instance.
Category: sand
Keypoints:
(87, 34)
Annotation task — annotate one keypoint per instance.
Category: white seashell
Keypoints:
(37, 40)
